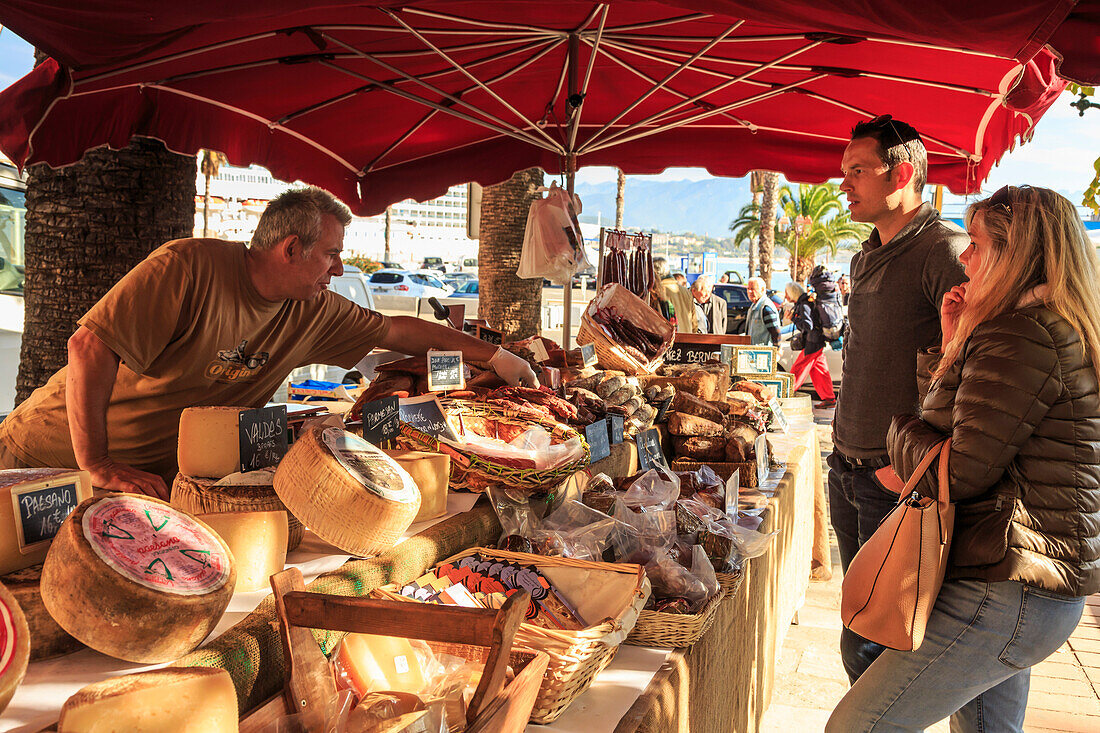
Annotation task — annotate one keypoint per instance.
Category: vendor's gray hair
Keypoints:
(298, 211)
(702, 284)
(660, 267)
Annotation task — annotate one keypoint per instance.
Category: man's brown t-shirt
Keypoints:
(191, 329)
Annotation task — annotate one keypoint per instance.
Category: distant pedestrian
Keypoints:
(724, 279)
(681, 279)
(845, 286)
(677, 304)
(762, 320)
(710, 309)
(810, 362)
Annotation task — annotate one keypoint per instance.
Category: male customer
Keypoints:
(207, 322)
(710, 309)
(676, 301)
(762, 320)
(898, 278)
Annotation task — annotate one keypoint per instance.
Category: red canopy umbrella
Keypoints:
(385, 101)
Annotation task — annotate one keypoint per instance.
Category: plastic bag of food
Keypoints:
(553, 246)
(655, 490)
(584, 532)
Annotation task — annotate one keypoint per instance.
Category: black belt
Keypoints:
(873, 463)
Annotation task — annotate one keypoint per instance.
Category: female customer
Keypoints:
(1016, 390)
(811, 361)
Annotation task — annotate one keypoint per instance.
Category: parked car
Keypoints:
(469, 264)
(407, 284)
(468, 289)
(458, 279)
(737, 305)
(434, 263)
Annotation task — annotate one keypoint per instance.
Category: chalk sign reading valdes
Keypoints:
(445, 371)
(381, 420)
(39, 512)
(263, 437)
(426, 415)
(597, 436)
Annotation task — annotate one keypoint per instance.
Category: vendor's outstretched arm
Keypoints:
(415, 336)
(92, 370)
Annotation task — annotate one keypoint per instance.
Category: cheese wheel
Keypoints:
(209, 441)
(15, 646)
(42, 508)
(169, 700)
(137, 579)
(257, 541)
(346, 490)
(431, 472)
(242, 492)
(47, 638)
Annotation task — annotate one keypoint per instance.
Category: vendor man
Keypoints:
(208, 322)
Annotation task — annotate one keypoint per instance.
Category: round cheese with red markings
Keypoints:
(135, 578)
(15, 646)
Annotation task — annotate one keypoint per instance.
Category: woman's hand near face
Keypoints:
(954, 300)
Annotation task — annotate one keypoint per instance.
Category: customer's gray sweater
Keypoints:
(893, 311)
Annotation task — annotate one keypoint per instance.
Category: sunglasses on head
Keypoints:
(885, 122)
(1005, 196)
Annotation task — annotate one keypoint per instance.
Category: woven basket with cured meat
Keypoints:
(627, 333)
(489, 455)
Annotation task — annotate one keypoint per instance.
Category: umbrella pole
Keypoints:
(567, 296)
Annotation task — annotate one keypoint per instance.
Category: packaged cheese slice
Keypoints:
(33, 504)
(15, 646)
(257, 541)
(135, 578)
(346, 490)
(47, 638)
(371, 662)
(238, 492)
(169, 700)
(431, 472)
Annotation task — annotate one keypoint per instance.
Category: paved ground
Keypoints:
(1065, 689)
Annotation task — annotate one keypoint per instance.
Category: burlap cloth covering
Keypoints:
(252, 652)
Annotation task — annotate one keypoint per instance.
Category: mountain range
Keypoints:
(701, 207)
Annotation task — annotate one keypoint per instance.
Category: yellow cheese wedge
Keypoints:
(169, 700)
(257, 541)
(209, 442)
(431, 472)
(374, 662)
(15, 646)
(43, 503)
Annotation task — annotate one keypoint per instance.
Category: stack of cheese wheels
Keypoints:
(15, 646)
(431, 472)
(47, 638)
(346, 490)
(257, 541)
(40, 494)
(209, 496)
(169, 700)
(135, 578)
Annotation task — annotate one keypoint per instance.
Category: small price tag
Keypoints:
(779, 419)
(262, 437)
(597, 435)
(726, 354)
(618, 424)
(762, 459)
(588, 354)
(381, 420)
(490, 335)
(733, 491)
(539, 350)
(445, 371)
(39, 512)
(650, 454)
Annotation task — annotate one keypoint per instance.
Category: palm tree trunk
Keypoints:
(620, 190)
(206, 208)
(87, 225)
(389, 234)
(755, 185)
(768, 200)
(507, 302)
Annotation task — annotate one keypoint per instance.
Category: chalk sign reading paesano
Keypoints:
(426, 415)
(40, 510)
(381, 420)
(262, 437)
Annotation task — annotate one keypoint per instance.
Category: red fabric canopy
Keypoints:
(393, 100)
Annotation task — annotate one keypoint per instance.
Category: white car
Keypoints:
(402, 283)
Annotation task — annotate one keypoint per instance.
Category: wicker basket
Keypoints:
(199, 496)
(611, 355)
(723, 469)
(576, 657)
(473, 472)
(676, 630)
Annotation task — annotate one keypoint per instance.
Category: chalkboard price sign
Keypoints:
(490, 335)
(39, 512)
(597, 437)
(779, 418)
(263, 437)
(650, 454)
(445, 371)
(426, 415)
(381, 420)
(763, 462)
(691, 353)
(617, 423)
(588, 354)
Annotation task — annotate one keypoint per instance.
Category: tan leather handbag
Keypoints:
(891, 586)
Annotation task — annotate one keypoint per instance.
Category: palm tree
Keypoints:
(620, 192)
(209, 165)
(813, 220)
(746, 229)
(507, 302)
(756, 185)
(769, 181)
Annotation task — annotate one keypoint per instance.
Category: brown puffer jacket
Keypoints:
(1023, 410)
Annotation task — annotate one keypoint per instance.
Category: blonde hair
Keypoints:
(794, 291)
(1038, 239)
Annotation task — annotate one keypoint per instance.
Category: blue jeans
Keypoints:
(857, 504)
(973, 664)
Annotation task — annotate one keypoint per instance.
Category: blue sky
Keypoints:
(1060, 156)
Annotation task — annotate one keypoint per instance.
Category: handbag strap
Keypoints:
(943, 490)
(920, 470)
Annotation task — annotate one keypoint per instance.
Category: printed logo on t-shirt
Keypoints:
(235, 365)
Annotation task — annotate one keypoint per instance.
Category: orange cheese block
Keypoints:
(374, 663)
(135, 578)
(15, 646)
